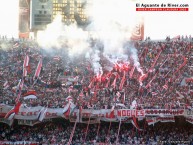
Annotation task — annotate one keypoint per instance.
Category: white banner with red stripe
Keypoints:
(189, 119)
(35, 113)
(153, 120)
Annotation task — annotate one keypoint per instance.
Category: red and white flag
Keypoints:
(70, 89)
(112, 112)
(120, 105)
(154, 93)
(143, 77)
(133, 104)
(67, 113)
(69, 99)
(118, 94)
(25, 64)
(38, 69)
(10, 115)
(114, 82)
(19, 87)
(131, 72)
(5, 85)
(30, 95)
(123, 100)
(165, 86)
(151, 121)
(42, 113)
(166, 119)
(134, 122)
(122, 81)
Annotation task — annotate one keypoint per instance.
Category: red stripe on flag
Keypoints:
(134, 122)
(20, 90)
(13, 110)
(25, 64)
(165, 86)
(114, 82)
(131, 72)
(67, 113)
(38, 69)
(9, 113)
(122, 82)
(30, 92)
(17, 107)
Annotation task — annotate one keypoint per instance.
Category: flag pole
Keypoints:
(99, 125)
(72, 133)
(87, 127)
(117, 139)
(109, 129)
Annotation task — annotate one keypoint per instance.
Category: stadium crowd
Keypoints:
(165, 83)
(59, 133)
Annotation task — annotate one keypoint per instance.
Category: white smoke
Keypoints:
(134, 57)
(50, 36)
(58, 35)
(111, 22)
(95, 59)
(76, 39)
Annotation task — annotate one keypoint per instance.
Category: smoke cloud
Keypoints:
(111, 23)
(57, 35)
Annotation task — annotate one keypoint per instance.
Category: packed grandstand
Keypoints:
(51, 98)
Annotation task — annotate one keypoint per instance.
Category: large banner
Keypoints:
(31, 115)
(153, 120)
(164, 112)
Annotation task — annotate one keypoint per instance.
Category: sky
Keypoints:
(9, 18)
(158, 25)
